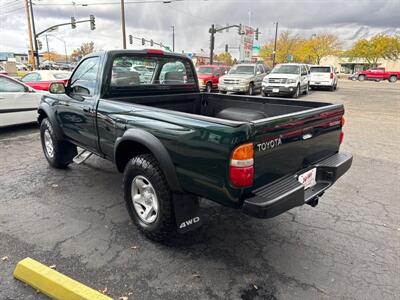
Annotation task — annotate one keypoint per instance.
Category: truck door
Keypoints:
(76, 111)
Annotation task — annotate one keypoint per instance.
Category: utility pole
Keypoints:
(47, 45)
(123, 24)
(276, 37)
(34, 34)
(28, 18)
(173, 38)
(212, 41)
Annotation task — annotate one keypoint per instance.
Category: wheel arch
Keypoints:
(44, 111)
(137, 141)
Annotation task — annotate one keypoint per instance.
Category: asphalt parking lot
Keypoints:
(347, 247)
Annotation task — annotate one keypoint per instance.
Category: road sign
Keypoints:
(290, 57)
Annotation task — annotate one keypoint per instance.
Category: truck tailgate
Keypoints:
(286, 144)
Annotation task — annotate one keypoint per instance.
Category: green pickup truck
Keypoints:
(175, 145)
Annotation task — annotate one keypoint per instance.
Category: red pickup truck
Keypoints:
(209, 75)
(379, 74)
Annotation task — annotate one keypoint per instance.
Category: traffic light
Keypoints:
(256, 35)
(240, 29)
(39, 43)
(226, 48)
(151, 43)
(73, 22)
(143, 41)
(130, 39)
(92, 23)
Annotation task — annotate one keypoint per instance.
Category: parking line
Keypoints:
(52, 283)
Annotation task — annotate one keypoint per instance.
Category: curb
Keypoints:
(52, 283)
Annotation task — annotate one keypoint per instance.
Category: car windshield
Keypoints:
(140, 68)
(242, 70)
(286, 69)
(205, 70)
(320, 70)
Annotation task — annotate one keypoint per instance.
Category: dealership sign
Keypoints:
(246, 44)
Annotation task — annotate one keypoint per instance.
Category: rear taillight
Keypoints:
(241, 170)
(331, 77)
(341, 136)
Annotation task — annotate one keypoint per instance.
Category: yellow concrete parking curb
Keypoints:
(53, 283)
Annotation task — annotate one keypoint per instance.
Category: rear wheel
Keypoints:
(209, 87)
(392, 78)
(361, 77)
(148, 197)
(222, 92)
(59, 153)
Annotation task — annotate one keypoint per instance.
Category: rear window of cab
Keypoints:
(134, 71)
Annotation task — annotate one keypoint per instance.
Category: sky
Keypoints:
(152, 19)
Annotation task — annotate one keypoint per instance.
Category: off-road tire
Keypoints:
(63, 151)
(146, 165)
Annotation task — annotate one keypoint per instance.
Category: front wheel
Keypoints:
(59, 153)
(223, 92)
(148, 197)
(251, 89)
(361, 77)
(209, 87)
(392, 79)
(297, 92)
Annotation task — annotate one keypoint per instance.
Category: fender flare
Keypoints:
(157, 149)
(45, 108)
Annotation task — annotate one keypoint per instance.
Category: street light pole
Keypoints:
(173, 38)
(123, 24)
(276, 37)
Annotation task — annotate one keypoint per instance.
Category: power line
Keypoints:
(10, 12)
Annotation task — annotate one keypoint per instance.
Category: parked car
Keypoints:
(175, 144)
(18, 102)
(21, 67)
(40, 80)
(323, 77)
(287, 80)
(379, 74)
(244, 78)
(3, 70)
(353, 76)
(208, 76)
(49, 65)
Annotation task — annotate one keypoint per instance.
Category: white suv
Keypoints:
(323, 76)
(286, 79)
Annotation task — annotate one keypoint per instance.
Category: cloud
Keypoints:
(349, 19)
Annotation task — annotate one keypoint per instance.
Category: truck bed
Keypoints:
(226, 107)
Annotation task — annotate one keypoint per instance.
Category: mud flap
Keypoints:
(187, 213)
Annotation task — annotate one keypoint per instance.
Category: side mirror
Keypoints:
(57, 88)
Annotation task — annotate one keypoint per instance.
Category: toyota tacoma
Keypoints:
(175, 145)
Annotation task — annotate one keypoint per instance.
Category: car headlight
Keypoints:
(244, 81)
(289, 81)
(265, 79)
(201, 82)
